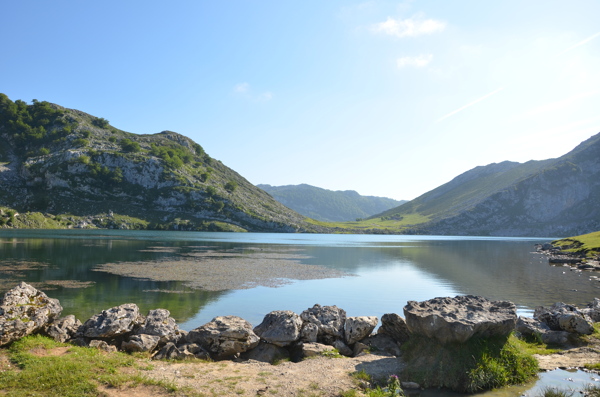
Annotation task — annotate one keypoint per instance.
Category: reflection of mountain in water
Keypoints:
(497, 269)
(73, 259)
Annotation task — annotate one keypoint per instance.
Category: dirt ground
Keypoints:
(320, 376)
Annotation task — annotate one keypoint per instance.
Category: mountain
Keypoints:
(554, 197)
(327, 205)
(63, 161)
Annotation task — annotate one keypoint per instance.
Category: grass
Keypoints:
(588, 244)
(554, 392)
(478, 364)
(42, 367)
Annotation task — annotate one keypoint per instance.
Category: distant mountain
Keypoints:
(87, 173)
(327, 205)
(555, 197)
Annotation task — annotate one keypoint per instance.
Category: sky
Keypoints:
(387, 98)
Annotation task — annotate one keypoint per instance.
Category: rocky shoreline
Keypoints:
(285, 335)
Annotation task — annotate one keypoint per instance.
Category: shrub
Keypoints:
(230, 186)
(129, 146)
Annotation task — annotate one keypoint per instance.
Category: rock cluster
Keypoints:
(284, 334)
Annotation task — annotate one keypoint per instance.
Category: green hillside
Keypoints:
(87, 173)
(328, 205)
(537, 198)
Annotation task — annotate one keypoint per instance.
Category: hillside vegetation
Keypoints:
(554, 197)
(86, 173)
(328, 205)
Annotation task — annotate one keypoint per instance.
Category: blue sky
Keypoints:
(388, 98)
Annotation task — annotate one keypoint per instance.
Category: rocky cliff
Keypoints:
(555, 197)
(64, 161)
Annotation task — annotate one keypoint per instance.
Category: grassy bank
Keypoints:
(38, 366)
(586, 244)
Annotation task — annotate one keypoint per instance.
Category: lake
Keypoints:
(365, 274)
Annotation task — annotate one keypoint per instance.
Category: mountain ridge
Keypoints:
(328, 205)
(552, 197)
(66, 161)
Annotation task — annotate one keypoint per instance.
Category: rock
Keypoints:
(266, 353)
(360, 349)
(449, 320)
(225, 337)
(170, 351)
(410, 385)
(25, 310)
(63, 329)
(280, 328)
(159, 323)
(342, 348)
(382, 343)
(357, 328)
(309, 333)
(116, 321)
(563, 317)
(102, 345)
(141, 343)
(328, 319)
(532, 327)
(304, 350)
(592, 310)
(394, 326)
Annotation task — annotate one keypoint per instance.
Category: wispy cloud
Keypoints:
(411, 27)
(244, 90)
(470, 104)
(582, 42)
(419, 61)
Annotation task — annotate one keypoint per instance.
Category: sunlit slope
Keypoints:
(63, 161)
(538, 198)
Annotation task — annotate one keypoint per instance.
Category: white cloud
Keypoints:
(418, 61)
(244, 90)
(411, 27)
(582, 42)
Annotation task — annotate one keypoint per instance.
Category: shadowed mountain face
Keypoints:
(63, 161)
(327, 205)
(555, 197)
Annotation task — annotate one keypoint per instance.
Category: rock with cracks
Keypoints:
(395, 327)
(280, 328)
(114, 322)
(357, 328)
(25, 310)
(329, 320)
(225, 337)
(458, 319)
(563, 317)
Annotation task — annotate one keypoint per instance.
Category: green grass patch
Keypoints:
(588, 244)
(479, 364)
(48, 368)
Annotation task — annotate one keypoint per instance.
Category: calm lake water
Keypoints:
(386, 272)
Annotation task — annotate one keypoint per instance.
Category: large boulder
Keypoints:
(395, 327)
(140, 343)
(25, 310)
(280, 328)
(114, 322)
(224, 337)
(357, 328)
(458, 319)
(329, 320)
(563, 317)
